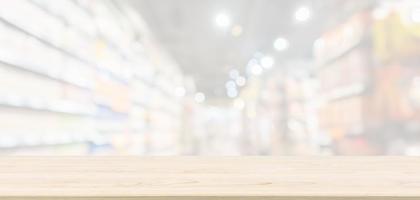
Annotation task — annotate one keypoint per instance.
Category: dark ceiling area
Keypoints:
(187, 30)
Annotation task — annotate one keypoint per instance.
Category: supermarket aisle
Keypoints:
(210, 77)
(84, 78)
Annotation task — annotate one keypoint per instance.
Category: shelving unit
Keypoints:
(68, 74)
(343, 67)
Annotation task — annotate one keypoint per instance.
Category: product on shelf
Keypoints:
(79, 77)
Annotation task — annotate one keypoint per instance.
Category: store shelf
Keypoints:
(45, 106)
(4, 63)
(86, 35)
(340, 54)
(40, 140)
(346, 92)
(52, 14)
(210, 178)
(63, 51)
(34, 143)
(65, 71)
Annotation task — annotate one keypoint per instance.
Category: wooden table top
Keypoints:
(277, 178)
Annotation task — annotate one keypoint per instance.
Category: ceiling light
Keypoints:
(240, 81)
(253, 61)
(303, 14)
(230, 85)
(200, 97)
(222, 20)
(281, 44)
(232, 93)
(267, 62)
(256, 69)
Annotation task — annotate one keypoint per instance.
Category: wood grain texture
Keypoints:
(205, 178)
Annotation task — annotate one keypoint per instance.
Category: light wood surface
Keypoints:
(196, 178)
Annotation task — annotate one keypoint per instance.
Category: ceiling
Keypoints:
(207, 52)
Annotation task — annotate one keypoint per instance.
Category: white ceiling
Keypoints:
(207, 52)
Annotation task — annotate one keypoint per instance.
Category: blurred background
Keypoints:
(210, 77)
